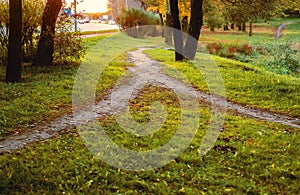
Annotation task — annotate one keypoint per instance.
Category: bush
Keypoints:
(132, 20)
(31, 19)
(68, 46)
(3, 32)
(279, 58)
(214, 48)
(245, 49)
(3, 54)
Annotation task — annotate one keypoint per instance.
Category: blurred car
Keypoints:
(94, 21)
(81, 21)
(112, 22)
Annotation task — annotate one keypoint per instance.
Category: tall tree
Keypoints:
(44, 55)
(177, 30)
(214, 14)
(168, 31)
(196, 22)
(241, 11)
(179, 8)
(13, 72)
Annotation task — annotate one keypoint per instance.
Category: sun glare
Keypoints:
(91, 6)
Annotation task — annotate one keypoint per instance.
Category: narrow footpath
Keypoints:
(144, 68)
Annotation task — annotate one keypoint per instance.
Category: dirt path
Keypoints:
(145, 70)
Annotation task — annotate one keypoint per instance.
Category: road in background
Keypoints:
(96, 26)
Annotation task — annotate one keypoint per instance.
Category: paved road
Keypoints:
(96, 26)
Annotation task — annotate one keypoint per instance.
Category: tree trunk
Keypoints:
(244, 26)
(168, 31)
(44, 55)
(195, 26)
(178, 42)
(232, 26)
(239, 27)
(226, 27)
(185, 24)
(162, 24)
(251, 28)
(13, 71)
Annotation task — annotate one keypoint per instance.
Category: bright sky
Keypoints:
(91, 6)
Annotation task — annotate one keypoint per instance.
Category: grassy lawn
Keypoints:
(263, 32)
(245, 84)
(44, 92)
(99, 32)
(280, 56)
(250, 156)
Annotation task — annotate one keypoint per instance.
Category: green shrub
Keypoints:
(3, 32)
(32, 12)
(3, 54)
(68, 46)
(279, 58)
(133, 20)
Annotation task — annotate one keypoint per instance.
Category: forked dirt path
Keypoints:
(144, 68)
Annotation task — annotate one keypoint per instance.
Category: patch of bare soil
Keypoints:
(296, 46)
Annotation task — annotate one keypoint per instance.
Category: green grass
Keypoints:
(262, 33)
(245, 84)
(39, 98)
(250, 156)
(291, 33)
(45, 93)
(238, 39)
(278, 56)
(99, 32)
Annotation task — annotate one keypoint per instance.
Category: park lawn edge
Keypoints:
(45, 93)
(245, 84)
(250, 156)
